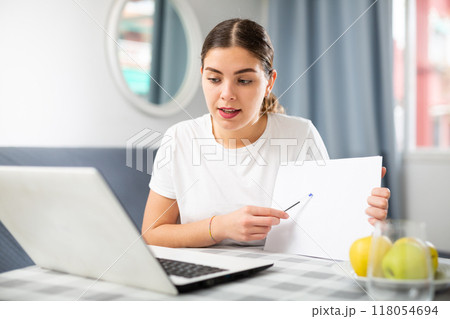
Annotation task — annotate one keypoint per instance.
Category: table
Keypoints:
(292, 277)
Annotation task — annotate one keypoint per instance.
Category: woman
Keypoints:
(213, 177)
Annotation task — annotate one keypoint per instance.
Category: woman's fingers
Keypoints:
(381, 192)
(263, 216)
(265, 221)
(372, 221)
(256, 232)
(253, 223)
(376, 213)
(378, 202)
(255, 237)
(266, 211)
(259, 230)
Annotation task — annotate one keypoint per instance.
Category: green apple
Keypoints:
(407, 259)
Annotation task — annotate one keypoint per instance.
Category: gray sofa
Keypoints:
(129, 184)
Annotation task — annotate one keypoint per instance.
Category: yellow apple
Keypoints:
(381, 247)
(434, 256)
(359, 254)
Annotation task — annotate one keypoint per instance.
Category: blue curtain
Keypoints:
(347, 92)
(169, 53)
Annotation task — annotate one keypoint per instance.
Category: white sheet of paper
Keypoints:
(327, 224)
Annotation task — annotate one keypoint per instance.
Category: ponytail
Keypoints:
(270, 105)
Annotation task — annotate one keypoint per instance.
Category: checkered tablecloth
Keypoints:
(292, 277)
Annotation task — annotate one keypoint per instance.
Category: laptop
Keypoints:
(69, 220)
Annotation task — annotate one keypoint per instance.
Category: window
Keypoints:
(421, 34)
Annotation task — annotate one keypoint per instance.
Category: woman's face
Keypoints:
(234, 85)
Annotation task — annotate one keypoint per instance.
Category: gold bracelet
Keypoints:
(210, 234)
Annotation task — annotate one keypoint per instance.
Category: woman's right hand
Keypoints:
(246, 224)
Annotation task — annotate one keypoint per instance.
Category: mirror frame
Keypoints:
(191, 79)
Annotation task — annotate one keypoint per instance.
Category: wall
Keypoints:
(427, 194)
(55, 85)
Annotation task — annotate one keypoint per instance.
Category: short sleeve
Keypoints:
(319, 150)
(162, 181)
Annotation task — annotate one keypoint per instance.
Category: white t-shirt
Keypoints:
(208, 179)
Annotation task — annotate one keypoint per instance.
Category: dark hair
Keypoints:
(251, 36)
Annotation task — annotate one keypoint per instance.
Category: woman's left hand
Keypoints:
(379, 202)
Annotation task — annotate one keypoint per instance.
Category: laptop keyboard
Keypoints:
(185, 269)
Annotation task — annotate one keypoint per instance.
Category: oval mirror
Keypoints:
(151, 50)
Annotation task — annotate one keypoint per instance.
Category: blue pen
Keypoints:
(309, 197)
